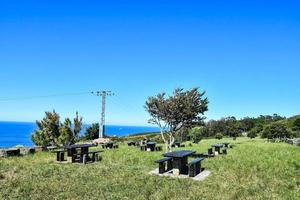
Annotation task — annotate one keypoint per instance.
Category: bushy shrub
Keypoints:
(219, 136)
(252, 134)
(195, 134)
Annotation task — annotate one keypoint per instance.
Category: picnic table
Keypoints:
(131, 143)
(73, 151)
(12, 152)
(217, 147)
(150, 146)
(108, 145)
(180, 160)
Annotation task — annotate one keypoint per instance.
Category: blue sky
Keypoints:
(245, 55)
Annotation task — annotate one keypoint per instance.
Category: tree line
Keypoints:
(266, 126)
(180, 116)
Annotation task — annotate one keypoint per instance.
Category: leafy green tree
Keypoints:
(48, 130)
(92, 132)
(276, 131)
(178, 111)
(195, 134)
(40, 138)
(77, 126)
(247, 123)
(296, 124)
(67, 136)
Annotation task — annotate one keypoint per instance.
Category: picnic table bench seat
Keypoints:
(195, 167)
(158, 148)
(85, 157)
(197, 155)
(143, 147)
(60, 155)
(162, 164)
(209, 153)
(224, 151)
(94, 155)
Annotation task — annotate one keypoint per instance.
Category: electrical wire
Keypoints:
(42, 96)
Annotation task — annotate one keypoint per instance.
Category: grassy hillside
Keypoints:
(252, 170)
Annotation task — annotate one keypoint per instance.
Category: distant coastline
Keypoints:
(19, 133)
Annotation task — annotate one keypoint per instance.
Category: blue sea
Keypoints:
(19, 133)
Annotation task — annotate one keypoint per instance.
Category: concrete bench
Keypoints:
(162, 164)
(60, 155)
(195, 167)
(94, 158)
(158, 148)
(143, 147)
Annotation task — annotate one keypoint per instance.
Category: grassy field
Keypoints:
(252, 170)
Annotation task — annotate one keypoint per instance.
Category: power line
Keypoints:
(42, 96)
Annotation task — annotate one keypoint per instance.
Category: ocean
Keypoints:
(19, 133)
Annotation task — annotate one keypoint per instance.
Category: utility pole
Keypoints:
(103, 95)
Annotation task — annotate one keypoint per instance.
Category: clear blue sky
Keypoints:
(245, 55)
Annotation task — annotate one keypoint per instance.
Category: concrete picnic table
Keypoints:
(108, 145)
(180, 160)
(131, 143)
(12, 152)
(151, 146)
(217, 147)
(72, 150)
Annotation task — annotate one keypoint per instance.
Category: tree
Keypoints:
(175, 112)
(67, 136)
(92, 132)
(77, 126)
(276, 131)
(255, 131)
(48, 130)
(51, 131)
(247, 123)
(195, 134)
(40, 138)
(296, 124)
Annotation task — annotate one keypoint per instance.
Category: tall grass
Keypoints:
(253, 169)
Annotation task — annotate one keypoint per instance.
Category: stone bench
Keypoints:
(195, 167)
(210, 153)
(162, 164)
(158, 148)
(143, 147)
(94, 158)
(60, 155)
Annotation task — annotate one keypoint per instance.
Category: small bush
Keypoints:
(252, 134)
(219, 136)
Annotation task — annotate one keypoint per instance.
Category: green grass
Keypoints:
(252, 170)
